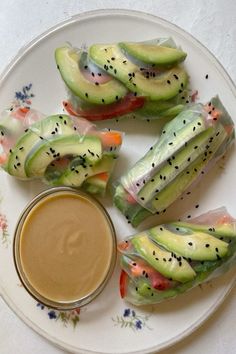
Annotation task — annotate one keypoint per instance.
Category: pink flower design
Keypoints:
(4, 229)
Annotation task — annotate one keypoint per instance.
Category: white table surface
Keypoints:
(213, 22)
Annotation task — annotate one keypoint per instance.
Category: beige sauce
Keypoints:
(65, 247)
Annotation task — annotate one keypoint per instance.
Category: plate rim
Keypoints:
(21, 53)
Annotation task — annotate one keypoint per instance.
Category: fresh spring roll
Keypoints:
(169, 259)
(114, 80)
(188, 145)
(59, 149)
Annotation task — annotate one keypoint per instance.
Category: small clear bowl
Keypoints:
(61, 305)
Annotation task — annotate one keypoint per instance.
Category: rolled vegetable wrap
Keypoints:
(188, 145)
(172, 258)
(115, 80)
(59, 149)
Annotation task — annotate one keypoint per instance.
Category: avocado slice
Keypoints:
(68, 62)
(153, 54)
(95, 185)
(174, 137)
(163, 86)
(133, 212)
(37, 134)
(197, 245)
(78, 171)
(224, 230)
(18, 155)
(171, 266)
(181, 161)
(42, 155)
(171, 192)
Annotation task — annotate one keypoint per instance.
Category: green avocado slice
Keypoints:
(163, 86)
(78, 173)
(68, 63)
(153, 54)
(198, 246)
(171, 169)
(42, 155)
(163, 261)
(37, 134)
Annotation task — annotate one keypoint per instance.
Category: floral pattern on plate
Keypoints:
(65, 317)
(24, 96)
(4, 230)
(130, 319)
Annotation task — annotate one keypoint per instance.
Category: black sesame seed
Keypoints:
(176, 167)
(176, 77)
(86, 94)
(180, 264)
(112, 58)
(153, 164)
(197, 206)
(190, 243)
(168, 82)
(170, 259)
(137, 184)
(218, 257)
(164, 259)
(215, 248)
(103, 101)
(189, 159)
(184, 121)
(142, 198)
(152, 180)
(153, 252)
(157, 190)
(188, 193)
(157, 259)
(206, 77)
(97, 83)
(207, 245)
(189, 216)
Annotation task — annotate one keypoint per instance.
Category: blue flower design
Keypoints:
(40, 305)
(126, 312)
(138, 324)
(24, 94)
(52, 315)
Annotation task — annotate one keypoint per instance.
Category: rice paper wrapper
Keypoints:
(189, 144)
(60, 149)
(170, 259)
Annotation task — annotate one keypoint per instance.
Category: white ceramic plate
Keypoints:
(109, 325)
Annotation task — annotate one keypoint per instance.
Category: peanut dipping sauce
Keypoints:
(66, 245)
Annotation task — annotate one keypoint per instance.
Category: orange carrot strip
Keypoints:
(110, 138)
(103, 176)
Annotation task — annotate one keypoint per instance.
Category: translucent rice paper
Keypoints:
(35, 146)
(188, 145)
(152, 110)
(211, 235)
